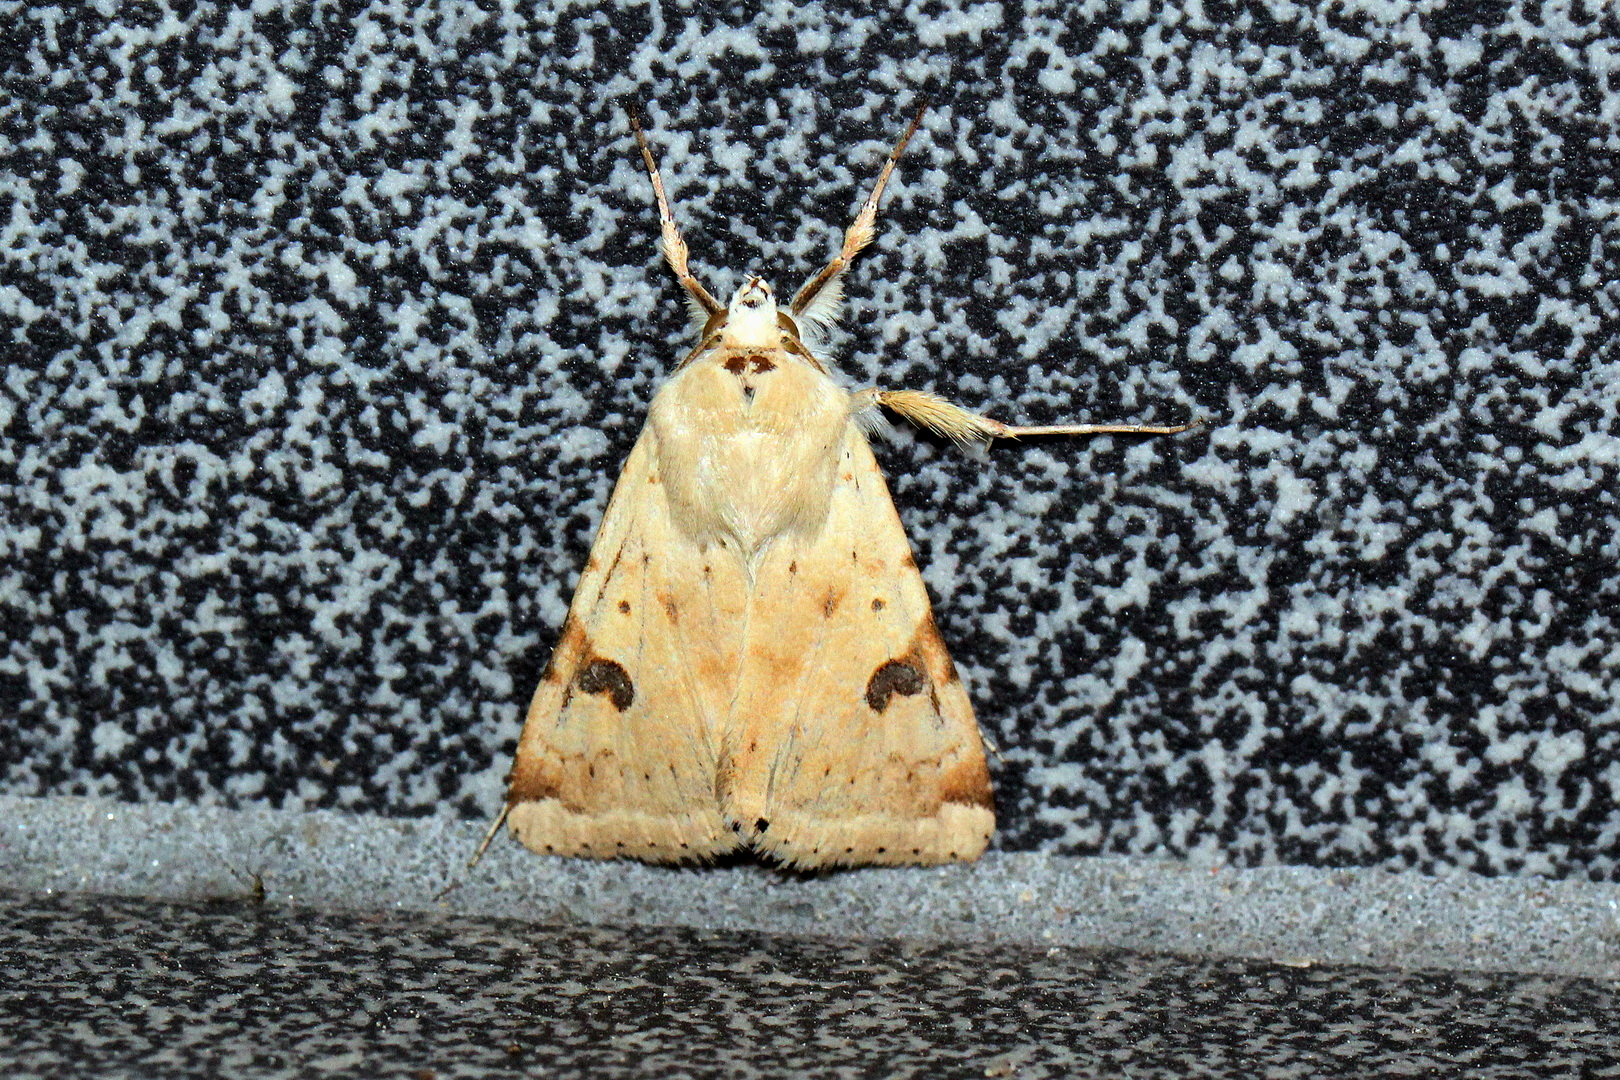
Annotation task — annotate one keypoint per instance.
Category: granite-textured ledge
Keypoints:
(337, 861)
(111, 987)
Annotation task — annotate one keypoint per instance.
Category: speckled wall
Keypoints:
(326, 332)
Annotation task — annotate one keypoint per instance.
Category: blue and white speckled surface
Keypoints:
(324, 336)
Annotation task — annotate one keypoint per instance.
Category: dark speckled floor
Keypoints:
(118, 987)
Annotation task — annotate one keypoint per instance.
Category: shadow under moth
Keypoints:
(750, 662)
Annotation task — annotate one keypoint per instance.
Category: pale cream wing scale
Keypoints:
(619, 754)
(852, 739)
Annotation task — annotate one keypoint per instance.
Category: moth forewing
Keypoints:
(853, 739)
(619, 753)
(750, 659)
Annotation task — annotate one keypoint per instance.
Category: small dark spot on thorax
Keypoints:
(624, 607)
(877, 605)
(750, 365)
(753, 363)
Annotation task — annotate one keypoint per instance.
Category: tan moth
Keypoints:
(750, 662)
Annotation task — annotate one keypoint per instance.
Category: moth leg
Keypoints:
(702, 303)
(506, 808)
(957, 424)
(818, 299)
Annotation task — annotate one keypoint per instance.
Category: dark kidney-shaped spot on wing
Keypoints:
(608, 677)
(891, 678)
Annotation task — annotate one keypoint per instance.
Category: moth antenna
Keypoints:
(479, 854)
(818, 302)
(934, 413)
(699, 302)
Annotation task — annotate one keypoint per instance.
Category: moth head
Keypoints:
(752, 318)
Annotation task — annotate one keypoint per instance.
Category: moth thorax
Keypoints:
(751, 317)
(747, 471)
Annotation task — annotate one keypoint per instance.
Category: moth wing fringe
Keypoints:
(548, 827)
(958, 833)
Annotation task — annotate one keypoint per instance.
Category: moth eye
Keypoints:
(789, 328)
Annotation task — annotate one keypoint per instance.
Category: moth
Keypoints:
(750, 662)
